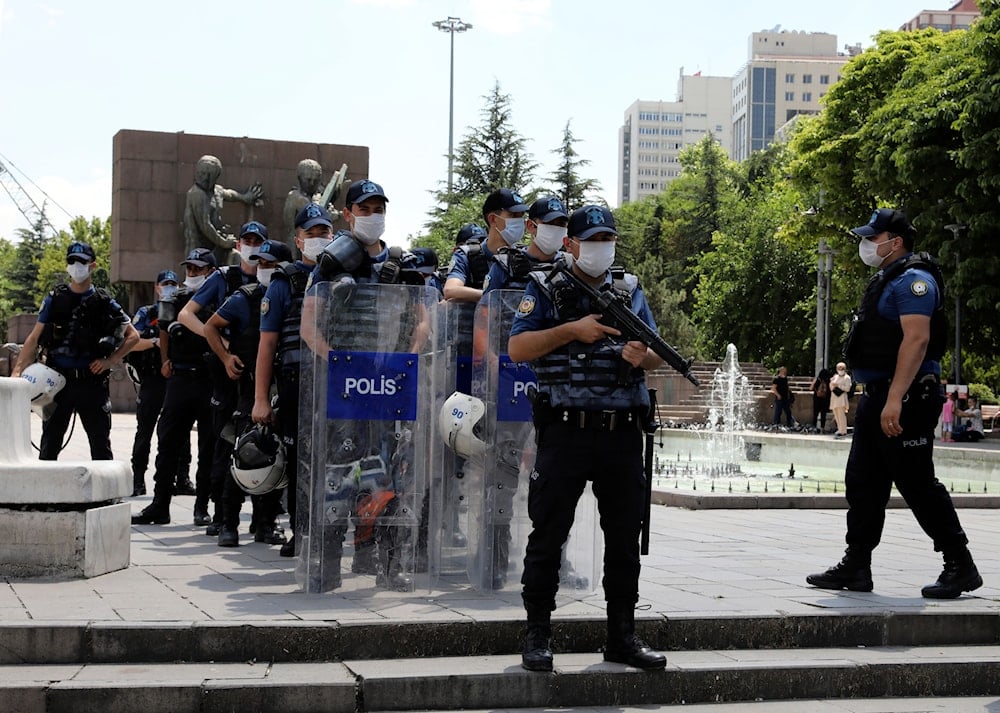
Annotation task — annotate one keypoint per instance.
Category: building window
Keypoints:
(789, 79)
(789, 96)
(824, 79)
(807, 96)
(807, 79)
(649, 130)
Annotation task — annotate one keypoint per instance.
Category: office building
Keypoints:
(958, 17)
(655, 132)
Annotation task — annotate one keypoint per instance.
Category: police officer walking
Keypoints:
(145, 362)
(83, 333)
(894, 349)
(588, 420)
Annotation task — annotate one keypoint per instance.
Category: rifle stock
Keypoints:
(615, 313)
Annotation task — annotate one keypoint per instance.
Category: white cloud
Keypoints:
(510, 16)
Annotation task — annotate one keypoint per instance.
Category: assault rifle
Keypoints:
(616, 313)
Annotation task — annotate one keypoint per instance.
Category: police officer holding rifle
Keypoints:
(589, 412)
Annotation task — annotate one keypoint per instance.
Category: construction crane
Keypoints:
(31, 211)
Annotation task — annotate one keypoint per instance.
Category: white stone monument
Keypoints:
(58, 519)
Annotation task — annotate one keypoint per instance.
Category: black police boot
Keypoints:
(501, 555)
(624, 646)
(185, 487)
(365, 558)
(214, 527)
(853, 572)
(270, 534)
(390, 560)
(333, 551)
(959, 575)
(138, 485)
(156, 513)
(201, 516)
(288, 549)
(537, 654)
(228, 537)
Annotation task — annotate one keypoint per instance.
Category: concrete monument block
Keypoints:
(57, 518)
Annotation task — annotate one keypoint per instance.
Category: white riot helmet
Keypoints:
(259, 461)
(461, 422)
(46, 382)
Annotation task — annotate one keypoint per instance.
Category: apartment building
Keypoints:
(958, 17)
(655, 132)
(786, 74)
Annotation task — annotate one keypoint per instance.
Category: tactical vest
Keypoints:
(873, 342)
(185, 347)
(147, 362)
(587, 375)
(479, 264)
(365, 322)
(517, 265)
(77, 324)
(289, 353)
(245, 344)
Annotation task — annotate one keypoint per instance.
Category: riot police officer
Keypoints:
(186, 401)
(238, 320)
(894, 348)
(470, 263)
(145, 365)
(510, 269)
(379, 541)
(279, 354)
(588, 423)
(207, 298)
(83, 333)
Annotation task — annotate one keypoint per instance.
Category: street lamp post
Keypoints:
(824, 275)
(956, 357)
(451, 26)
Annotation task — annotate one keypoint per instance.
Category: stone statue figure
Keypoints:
(309, 189)
(203, 227)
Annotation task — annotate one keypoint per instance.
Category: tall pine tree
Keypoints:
(568, 184)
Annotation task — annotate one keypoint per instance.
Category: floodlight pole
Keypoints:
(451, 26)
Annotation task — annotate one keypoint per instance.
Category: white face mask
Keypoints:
(549, 238)
(78, 271)
(868, 251)
(513, 230)
(369, 228)
(246, 251)
(193, 283)
(596, 257)
(264, 275)
(167, 292)
(312, 247)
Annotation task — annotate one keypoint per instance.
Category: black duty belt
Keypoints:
(881, 386)
(79, 374)
(191, 371)
(607, 420)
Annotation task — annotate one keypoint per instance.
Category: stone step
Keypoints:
(498, 681)
(300, 641)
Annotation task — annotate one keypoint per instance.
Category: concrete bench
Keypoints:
(57, 518)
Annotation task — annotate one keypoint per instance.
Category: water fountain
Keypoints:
(729, 454)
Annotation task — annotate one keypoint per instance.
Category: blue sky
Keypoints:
(368, 72)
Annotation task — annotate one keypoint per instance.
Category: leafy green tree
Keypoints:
(493, 155)
(573, 189)
(445, 224)
(8, 257)
(21, 280)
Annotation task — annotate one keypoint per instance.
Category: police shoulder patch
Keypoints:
(265, 305)
(919, 287)
(527, 305)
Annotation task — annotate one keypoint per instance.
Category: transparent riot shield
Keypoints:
(365, 408)
(498, 483)
(448, 509)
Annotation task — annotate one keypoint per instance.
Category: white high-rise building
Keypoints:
(786, 74)
(654, 133)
